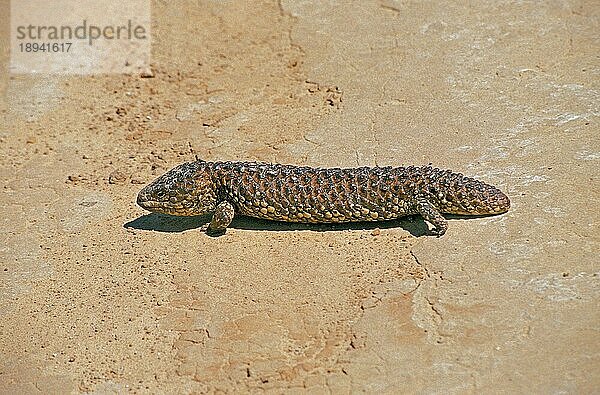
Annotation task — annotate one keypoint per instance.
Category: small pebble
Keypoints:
(137, 180)
(117, 177)
(376, 232)
(147, 74)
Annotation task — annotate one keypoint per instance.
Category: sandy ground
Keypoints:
(98, 296)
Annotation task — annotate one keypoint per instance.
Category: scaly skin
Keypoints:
(313, 195)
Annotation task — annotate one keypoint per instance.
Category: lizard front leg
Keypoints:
(433, 216)
(222, 217)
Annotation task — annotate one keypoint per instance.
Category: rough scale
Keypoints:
(314, 195)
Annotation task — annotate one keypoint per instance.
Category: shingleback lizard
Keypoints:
(314, 195)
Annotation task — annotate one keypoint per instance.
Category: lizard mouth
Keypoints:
(152, 206)
(180, 208)
(161, 207)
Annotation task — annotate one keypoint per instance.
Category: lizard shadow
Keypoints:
(415, 225)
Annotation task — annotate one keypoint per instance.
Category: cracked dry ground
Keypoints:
(97, 296)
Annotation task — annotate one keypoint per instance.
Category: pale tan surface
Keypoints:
(95, 299)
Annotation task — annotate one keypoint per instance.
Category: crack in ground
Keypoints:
(422, 265)
(432, 316)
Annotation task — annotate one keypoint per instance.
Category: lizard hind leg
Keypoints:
(222, 217)
(433, 216)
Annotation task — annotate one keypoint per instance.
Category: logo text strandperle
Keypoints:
(82, 32)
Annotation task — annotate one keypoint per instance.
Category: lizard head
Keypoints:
(185, 190)
(457, 194)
